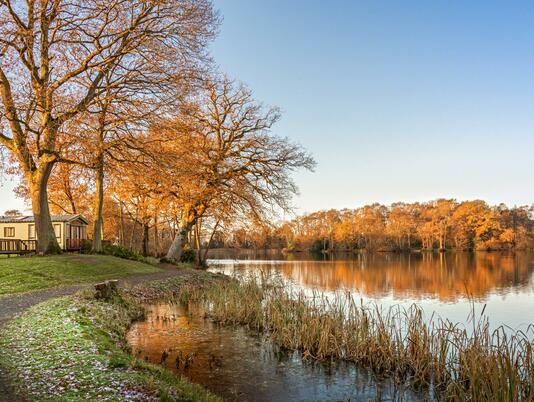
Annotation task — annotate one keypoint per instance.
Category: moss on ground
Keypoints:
(74, 348)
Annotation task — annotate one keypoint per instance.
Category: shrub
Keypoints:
(317, 246)
(87, 246)
(188, 255)
(127, 254)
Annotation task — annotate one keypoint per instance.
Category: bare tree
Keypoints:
(232, 161)
(54, 57)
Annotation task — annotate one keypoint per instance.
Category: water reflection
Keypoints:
(445, 276)
(238, 365)
(449, 284)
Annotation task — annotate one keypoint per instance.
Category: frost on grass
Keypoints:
(55, 351)
(74, 348)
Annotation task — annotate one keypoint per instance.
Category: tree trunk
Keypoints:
(132, 234)
(177, 246)
(188, 218)
(70, 197)
(205, 255)
(98, 204)
(45, 235)
(145, 250)
(156, 235)
(72, 205)
(121, 226)
(198, 244)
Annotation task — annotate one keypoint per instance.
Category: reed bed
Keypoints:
(448, 360)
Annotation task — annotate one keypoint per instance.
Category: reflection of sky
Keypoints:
(449, 289)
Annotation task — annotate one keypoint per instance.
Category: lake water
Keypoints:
(241, 365)
(447, 284)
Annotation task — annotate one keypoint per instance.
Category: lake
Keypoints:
(242, 365)
(448, 284)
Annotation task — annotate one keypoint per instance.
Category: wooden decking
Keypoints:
(17, 246)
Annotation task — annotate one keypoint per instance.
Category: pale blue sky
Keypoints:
(398, 101)
(408, 100)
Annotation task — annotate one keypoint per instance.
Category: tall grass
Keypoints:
(448, 360)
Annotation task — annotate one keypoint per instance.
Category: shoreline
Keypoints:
(419, 356)
(440, 358)
(364, 251)
(74, 347)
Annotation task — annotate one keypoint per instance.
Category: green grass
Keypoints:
(74, 348)
(24, 274)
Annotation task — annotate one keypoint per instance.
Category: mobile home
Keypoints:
(19, 231)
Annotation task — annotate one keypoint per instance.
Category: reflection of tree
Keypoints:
(223, 359)
(443, 276)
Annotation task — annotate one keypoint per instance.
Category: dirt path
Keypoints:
(13, 305)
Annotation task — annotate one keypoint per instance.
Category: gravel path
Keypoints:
(12, 305)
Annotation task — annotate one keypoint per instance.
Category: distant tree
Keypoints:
(69, 190)
(402, 223)
(473, 222)
(441, 224)
(441, 213)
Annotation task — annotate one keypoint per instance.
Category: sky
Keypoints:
(397, 101)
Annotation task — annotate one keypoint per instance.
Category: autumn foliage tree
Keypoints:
(436, 225)
(219, 153)
(54, 57)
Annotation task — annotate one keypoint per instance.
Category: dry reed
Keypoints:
(436, 355)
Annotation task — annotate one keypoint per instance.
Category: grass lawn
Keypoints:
(23, 274)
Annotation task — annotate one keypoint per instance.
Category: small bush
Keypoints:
(188, 255)
(87, 246)
(118, 360)
(123, 252)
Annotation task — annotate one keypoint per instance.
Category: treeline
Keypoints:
(117, 111)
(436, 225)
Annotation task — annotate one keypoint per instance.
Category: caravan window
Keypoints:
(57, 230)
(31, 232)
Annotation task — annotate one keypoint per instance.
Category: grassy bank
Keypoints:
(74, 348)
(190, 285)
(453, 363)
(23, 274)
